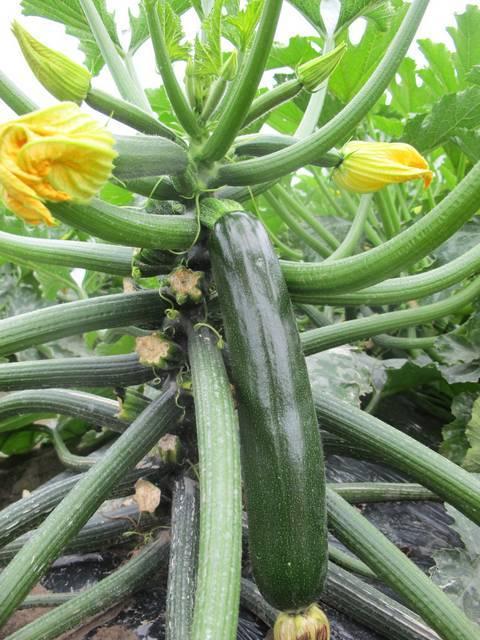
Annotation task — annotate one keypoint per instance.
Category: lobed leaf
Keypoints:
(70, 14)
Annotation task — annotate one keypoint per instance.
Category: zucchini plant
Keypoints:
(180, 276)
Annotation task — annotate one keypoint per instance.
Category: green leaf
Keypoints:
(403, 375)
(208, 51)
(460, 352)
(138, 29)
(469, 143)
(440, 67)
(171, 25)
(18, 422)
(161, 105)
(467, 40)
(455, 444)
(285, 118)
(239, 28)
(473, 75)
(70, 14)
(460, 242)
(379, 12)
(299, 49)
(310, 9)
(343, 372)
(138, 23)
(472, 433)
(362, 59)
(18, 442)
(116, 195)
(393, 127)
(453, 112)
(52, 280)
(16, 296)
(457, 571)
(124, 344)
(407, 96)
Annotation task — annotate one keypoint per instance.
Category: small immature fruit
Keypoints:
(186, 285)
(370, 166)
(311, 624)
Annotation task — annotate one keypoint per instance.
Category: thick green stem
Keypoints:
(148, 156)
(177, 98)
(386, 217)
(111, 56)
(65, 456)
(402, 289)
(139, 90)
(347, 561)
(350, 243)
(214, 96)
(244, 87)
(345, 332)
(314, 109)
(14, 97)
(283, 212)
(319, 318)
(68, 319)
(448, 481)
(398, 572)
(22, 515)
(406, 343)
(219, 560)
(108, 529)
(272, 99)
(96, 410)
(320, 182)
(67, 519)
(182, 569)
(106, 258)
(367, 492)
(304, 213)
(128, 114)
(128, 226)
(99, 598)
(340, 126)
(261, 144)
(105, 371)
(395, 255)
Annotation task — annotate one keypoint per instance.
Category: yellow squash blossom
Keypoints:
(369, 166)
(55, 154)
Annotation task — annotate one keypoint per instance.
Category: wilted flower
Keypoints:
(369, 166)
(55, 154)
(312, 624)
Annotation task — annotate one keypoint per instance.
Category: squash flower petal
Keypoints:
(370, 166)
(55, 154)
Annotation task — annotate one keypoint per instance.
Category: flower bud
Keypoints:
(369, 166)
(312, 73)
(62, 77)
(230, 67)
(311, 624)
